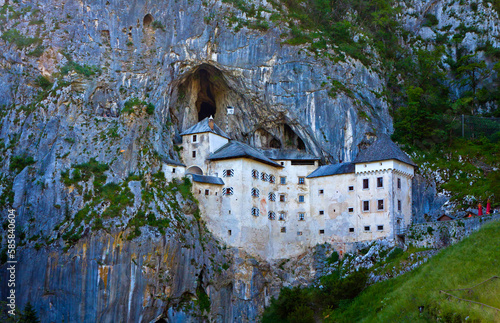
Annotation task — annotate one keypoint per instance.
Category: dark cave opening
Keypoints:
(148, 19)
(206, 110)
(292, 140)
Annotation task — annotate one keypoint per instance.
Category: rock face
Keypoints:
(103, 63)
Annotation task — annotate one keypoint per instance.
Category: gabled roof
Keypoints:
(203, 126)
(335, 169)
(207, 179)
(383, 149)
(235, 149)
(279, 154)
(169, 161)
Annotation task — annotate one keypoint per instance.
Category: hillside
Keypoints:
(469, 262)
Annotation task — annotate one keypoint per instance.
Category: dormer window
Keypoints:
(195, 138)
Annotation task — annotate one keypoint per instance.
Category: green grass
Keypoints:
(473, 260)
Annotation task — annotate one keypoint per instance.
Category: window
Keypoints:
(321, 231)
(283, 229)
(271, 215)
(229, 232)
(366, 206)
(351, 229)
(195, 138)
(367, 228)
(380, 182)
(302, 180)
(351, 188)
(194, 153)
(350, 210)
(365, 183)
(380, 205)
(255, 192)
(173, 170)
(302, 162)
(272, 197)
(227, 191)
(321, 192)
(299, 233)
(380, 227)
(207, 192)
(228, 173)
(301, 216)
(399, 205)
(399, 183)
(264, 177)
(282, 197)
(282, 180)
(282, 163)
(255, 211)
(321, 212)
(301, 198)
(255, 173)
(199, 191)
(282, 216)
(272, 179)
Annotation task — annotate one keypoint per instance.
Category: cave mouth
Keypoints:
(206, 110)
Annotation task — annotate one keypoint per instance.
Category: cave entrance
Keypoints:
(292, 140)
(205, 103)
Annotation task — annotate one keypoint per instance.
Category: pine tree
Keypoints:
(29, 315)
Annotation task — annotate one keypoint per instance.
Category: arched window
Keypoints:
(255, 192)
(272, 179)
(227, 191)
(272, 197)
(271, 215)
(255, 173)
(255, 211)
(264, 177)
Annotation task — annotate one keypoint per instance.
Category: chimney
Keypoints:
(211, 122)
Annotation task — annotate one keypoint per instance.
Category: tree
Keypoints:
(29, 315)
(470, 73)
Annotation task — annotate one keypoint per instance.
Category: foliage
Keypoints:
(18, 163)
(85, 70)
(129, 106)
(21, 41)
(158, 25)
(465, 264)
(29, 314)
(44, 83)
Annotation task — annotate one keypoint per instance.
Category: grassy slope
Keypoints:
(465, 264)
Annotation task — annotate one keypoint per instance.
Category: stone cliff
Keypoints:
(93, 95)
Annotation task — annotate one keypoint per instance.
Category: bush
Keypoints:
(44, 83)
(18, 163)
(21, 41)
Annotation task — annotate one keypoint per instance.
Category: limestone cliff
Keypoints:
(93, 95)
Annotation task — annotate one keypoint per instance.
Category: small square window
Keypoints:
(380, 182)
(380, 227)
(367, 228)
(399, 183)
(321, 212)
(301, 216)
(195, 138)
(350, 210)
(299, 233)
(282, 180)
(301, 198)
(302, 180)
(365, 184)
(282, 163)
(321, 231)
(282, 197)
(283, 229)
(229, 232)
(207, 192)
(282, 216)
(194, 153)
(229, 211)
(380, 205)
(351, 188)
(399, 205)
(351, 229)
(321, 192)
(366, 206)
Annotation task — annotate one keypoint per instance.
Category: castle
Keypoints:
(277, 203)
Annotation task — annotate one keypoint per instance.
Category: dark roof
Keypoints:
(207, 179)
(171, 161)
(203, 126)
(279, 154)
(382, 149)
(335, 169)
(235, 149)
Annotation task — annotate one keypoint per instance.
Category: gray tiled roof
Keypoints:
(203, 126)
(382, 149)
(335, 169)
(207, 179)
(171, 161)
(279, 154)
(235, 149)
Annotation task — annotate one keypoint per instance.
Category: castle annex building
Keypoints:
(276, 203)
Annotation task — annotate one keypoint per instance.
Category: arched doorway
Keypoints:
(194, 170)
